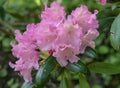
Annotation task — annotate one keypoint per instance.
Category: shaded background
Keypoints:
(16, 14)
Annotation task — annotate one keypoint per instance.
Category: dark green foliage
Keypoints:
(115, 33)
(44, 72)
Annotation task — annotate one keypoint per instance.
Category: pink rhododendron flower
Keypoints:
(63, 37)
(84, 18)
(102, 1)
(88, 24)
(65, 53)
(46, 35)
(67, 43)
(28, 35)
(69, 34)
(53, 15)
(28, 59)
(87, 40)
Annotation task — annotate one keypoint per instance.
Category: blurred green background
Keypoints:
(16, 14)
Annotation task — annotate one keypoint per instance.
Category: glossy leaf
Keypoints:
(105, 22)
(83, 81)
(27, 85)
(45, 70)
(104, 68)
(90, 53)
(78, 67)
(64, 83)
(115, 33)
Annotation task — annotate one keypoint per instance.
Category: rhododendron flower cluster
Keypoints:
(63, 37)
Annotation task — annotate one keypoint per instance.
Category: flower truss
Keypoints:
(64, 38)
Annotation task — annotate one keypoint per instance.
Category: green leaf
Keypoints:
(103, 49)
(90, 53)
(78, 67)
(105, 22)
(115, 33)
(104, 68)
(96, 86)
(27, 85)
(83, 81)
(44, 71)
(64, 83)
